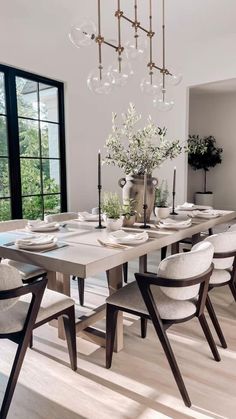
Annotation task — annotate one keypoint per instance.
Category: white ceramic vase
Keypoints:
(113, 224)
(162, 212)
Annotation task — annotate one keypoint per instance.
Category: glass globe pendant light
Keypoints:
(173, 78)
(162, 103)
(121, 73)
(149, 85)
(100, 81)
(83, 34)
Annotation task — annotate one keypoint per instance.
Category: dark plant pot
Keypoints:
(206, 199)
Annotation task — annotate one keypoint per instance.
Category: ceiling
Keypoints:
(187, 20)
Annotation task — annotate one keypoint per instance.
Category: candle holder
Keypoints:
(100, 226)
(145, 225)
(173, 205)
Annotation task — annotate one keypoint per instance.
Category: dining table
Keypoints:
(80, 253)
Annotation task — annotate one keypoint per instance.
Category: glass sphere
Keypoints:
(162, 103)
(174, 79)
(150, 86)
(133, 53)
(120, 79)
(83, 34)
(100, 86)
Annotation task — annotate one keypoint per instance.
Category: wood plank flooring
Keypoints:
(139, 384)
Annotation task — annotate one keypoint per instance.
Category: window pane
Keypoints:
(52, 204)
(30, 176)
(32, 207)
(3, 136)
(49, 140)
(27, 98)
(5, 209)
(29, 138)
(4, 178)
(51, 176)
(2, 94)
(48, 99)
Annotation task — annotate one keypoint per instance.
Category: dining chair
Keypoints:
(26, 270)
(224, 272)
(66, 216)
(176, 294)
(23, 308)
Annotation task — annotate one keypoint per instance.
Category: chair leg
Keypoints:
(210, 231)
(172, 362)
(233, 289)
(209, 337)
(31, 341)
(15, 371)
(143, 327)
(163, 252)
(125, 272)
(215, 322)
(111, 319)
(69, 326)
(81, 290)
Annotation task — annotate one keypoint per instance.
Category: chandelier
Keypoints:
(104, 80)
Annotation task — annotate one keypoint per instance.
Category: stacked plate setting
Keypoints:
(37, 243)
(123, 237)
(42, 226)
(172, 224)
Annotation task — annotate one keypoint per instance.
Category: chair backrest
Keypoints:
(12, 225)
(223, 242)
(63, 216)
(10, 278)
(186, 265)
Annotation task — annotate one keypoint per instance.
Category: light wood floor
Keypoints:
(139, 384)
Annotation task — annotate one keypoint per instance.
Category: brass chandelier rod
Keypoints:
(136, 19)
(99, 39)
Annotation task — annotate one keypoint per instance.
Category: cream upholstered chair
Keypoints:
(63, 216)
(24, 308)
(66, 216)
(26, 270)
(176, 294)
(224, 272)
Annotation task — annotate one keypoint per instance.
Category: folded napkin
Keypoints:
(36, 240)
(171, 222)
(86, 216)
(186, 205)
(121, 236)
(41, 224)
(209, 213)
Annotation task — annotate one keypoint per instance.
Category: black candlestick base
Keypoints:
(145, 226)
(173, 213)
(99, 227)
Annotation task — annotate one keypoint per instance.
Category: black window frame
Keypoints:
(10, 74)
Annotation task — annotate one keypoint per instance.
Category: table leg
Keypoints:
(114, 280)
(196, 238)
(175, 248)
(61, 283)
(143, 264)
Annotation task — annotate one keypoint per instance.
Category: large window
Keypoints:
(32, 146)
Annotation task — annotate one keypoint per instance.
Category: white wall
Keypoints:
(33, 36)
(214, 114)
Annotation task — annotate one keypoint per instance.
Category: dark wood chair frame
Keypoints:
(24, 338)
(232, 285)
(144, 282)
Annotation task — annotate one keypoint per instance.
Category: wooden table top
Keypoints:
(84, 256)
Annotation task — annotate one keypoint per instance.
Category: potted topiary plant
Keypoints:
(161, 208)
(202, 155)
(112, 210)
(128, 212)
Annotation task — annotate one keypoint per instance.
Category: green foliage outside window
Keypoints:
(32, 175)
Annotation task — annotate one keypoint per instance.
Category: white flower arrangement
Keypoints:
(137, 151)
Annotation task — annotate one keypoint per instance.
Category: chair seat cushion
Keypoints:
(26, 271)
(219, 276)
(13, 320)
(169, 309)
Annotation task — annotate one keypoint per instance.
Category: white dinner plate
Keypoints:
(37, 247)
(174, 226)
(44, 229)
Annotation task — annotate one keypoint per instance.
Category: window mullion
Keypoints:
(13, 144)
